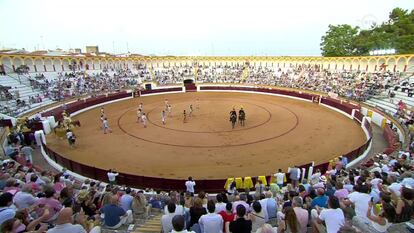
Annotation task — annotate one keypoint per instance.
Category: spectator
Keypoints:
(6, 211)
(280, 178)
(115, 216)
(301, 214)
(126, 200)
(196, 211)
(257, 216)
(179, 225)
(227, 215)
(189, 184)
(166, 219)
(220, 206)
(240, 225)
(290, 223)
(333, 217)
(24, 199)
(211, 222)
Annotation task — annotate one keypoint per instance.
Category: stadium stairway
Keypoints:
(151, 226)
(22, 85)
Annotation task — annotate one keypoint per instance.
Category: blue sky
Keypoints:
(185, 27)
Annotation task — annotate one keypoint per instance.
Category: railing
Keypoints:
(177, 184)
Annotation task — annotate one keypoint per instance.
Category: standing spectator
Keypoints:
(333, 217)
(259, 188)
(189, 184)
(240, 225)
(294, 175)
(112, 174)
(280, 178)
(211, 222)
(27, 152)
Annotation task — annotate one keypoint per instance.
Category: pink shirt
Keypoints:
(53, 205)
(341, 193)
(303, 218)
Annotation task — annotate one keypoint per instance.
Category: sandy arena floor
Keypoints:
(279, 132)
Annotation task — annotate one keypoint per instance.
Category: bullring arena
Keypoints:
(206, 146)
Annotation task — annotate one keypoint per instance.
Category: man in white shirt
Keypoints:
(360, 198)
(333, 217)
(112, 176)
(220, 205)
(211, 222)
(166, 219)
(280, 178)
(189, 184)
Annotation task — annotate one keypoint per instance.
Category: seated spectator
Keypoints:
(360, 199)
(196, 211)
(290, 222)
(24, 199)
(333, 217)
(211, 222)
(220, 205)
(301, 214)
(64, 224)
(114, 215)
(404, 208)
(6, 211)
(178, 224)
(227, 215)
(267, 228)
(257, 216)
(166, 219)
(49, 202)
(240, 225)
(379, 222)
(321, 200)
(126, 200)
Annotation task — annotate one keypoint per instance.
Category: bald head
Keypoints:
(27, 188)
(114, 199)
(65, 216)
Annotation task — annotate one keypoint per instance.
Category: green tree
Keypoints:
(339, 40)
(397, 32)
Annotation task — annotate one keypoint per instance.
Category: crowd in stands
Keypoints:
(374, 197)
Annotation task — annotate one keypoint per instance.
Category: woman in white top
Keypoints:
(378, 222)
(257, 216)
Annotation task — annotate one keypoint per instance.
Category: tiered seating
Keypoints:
(387, 103)
(23, 91)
